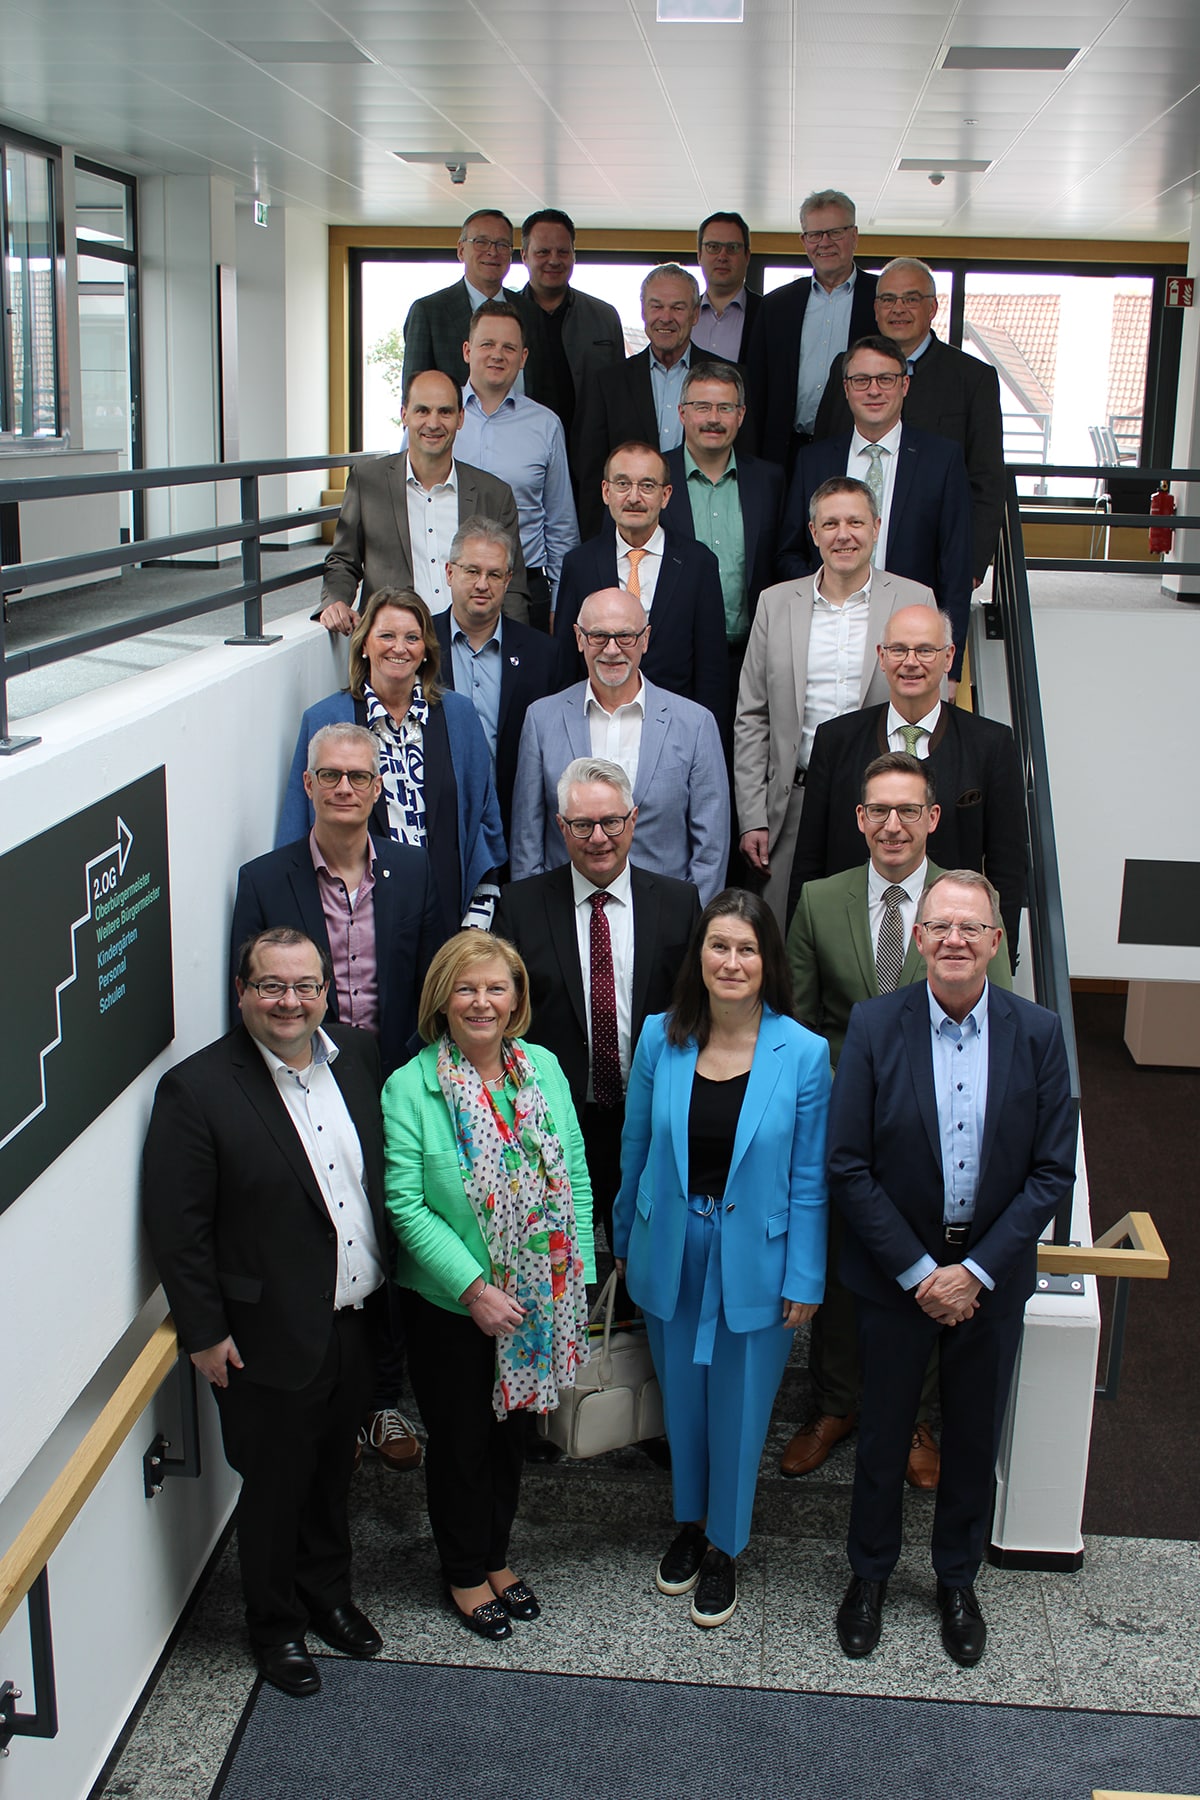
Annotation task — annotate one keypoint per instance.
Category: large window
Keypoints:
(106, 260)
(30, 354)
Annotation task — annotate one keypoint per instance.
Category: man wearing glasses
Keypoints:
(728, 308)
(436, 326)
(596, 964)
(668, 746)
(803, 326)
(952, 1144)
(950, 393)
(973, 762)
(263, 1199)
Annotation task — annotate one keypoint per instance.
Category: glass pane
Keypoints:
(29, 266)
(1070, 351)
(104, 360)
(103, 209)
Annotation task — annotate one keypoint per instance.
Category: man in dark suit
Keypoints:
(501, 665)
(437, 324)
(952, 1143)
(800, 328)
(423, 494)
(919, 483)
(647, 919)
(728, 308)
(677, 580)
(268, 1247)
(638, 400)
(949, 393)
(973, 761)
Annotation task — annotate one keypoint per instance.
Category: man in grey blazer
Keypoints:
(810, 657)
(373, 539)
(669, 747)
(436, 327)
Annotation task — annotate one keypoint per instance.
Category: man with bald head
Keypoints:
(950, 393)
(669, 748)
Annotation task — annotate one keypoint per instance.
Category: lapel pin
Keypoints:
(515, 661)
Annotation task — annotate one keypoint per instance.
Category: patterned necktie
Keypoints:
(875, 483)
(912, 735)
(634, 584)
(889, 952)
(606, 1053)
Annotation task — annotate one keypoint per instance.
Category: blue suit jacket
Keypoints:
(687, 652)
(681, 791)
(760, 485)
(885, 1161)
(280, 888)
(772, 358)
(773, 1225)
(929, 529)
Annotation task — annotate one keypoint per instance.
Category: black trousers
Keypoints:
(472, 1459)
(833, 1346)
(295, 1454)
(601, 1127)
(387, 1341)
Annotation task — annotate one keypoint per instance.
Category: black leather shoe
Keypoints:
(520, 1602)
(715, 1598)
(349, 1630)
(964, 1633)
(289, 1668)
(860, 1616)
(679, 1570)
(488, 1621)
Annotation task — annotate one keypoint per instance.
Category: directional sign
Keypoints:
(85, 918)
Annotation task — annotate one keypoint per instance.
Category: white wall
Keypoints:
(74, 1272)
(306, 303)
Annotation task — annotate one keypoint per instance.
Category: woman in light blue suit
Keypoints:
(719, 1227)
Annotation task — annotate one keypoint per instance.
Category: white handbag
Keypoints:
(616, 1399)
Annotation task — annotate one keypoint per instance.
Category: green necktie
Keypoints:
(875, 483)
(912, 735)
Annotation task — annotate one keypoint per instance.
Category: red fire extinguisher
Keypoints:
(1162, 506)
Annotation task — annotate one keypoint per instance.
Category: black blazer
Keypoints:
(977, 775)
(237, 1224)
(280, 888)
(760, 486)
(773, 358)
(529, 670)
(687, 652)
(436, 330)
(616, 407)
(929, 528)
(538, 916)
(956, 396)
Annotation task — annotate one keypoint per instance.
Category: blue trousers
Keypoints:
(718, 1388)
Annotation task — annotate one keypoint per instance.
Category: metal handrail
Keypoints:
(1035, 511)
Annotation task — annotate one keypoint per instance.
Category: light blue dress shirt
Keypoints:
(523, 444)
(824, 334)
(667, 388)
(477, 675)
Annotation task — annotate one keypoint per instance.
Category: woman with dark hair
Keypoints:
(719, 1227)
(488, 1191)
(438, 791)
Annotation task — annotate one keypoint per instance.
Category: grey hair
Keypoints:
(343, 733)
(673, 269)
(828, 197)
(968, 878)
(841, 484)
(586, 769)
(714, 371)
(910, 262)
(490, 530)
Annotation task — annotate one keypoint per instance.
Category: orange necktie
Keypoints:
(635, 585)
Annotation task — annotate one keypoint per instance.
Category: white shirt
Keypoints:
(914, 887)
(837, 644)
(895, 720)
(617, 735)
(326, 1130)
(619, 913)
(858, 464)
(432, 523)
(648, 568)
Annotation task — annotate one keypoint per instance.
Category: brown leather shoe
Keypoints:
(924, 1460)
(394, 1440)
(813, 1442)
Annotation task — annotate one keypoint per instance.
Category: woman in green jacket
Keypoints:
(488, 1191)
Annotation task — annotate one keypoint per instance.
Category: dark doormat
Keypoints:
(386, 1731)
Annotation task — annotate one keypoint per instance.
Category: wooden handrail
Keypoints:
(1145, 1256)
(50, 1521)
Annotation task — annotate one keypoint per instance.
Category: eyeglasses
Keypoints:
(612, 826)
(621, 484)
(624, 640)
(714, 247)
(860, 383)
(480, 244)
(268, 988)
(493, 577)
(879, 814)
(360, 779)
(833, 236)
(913, 299)
(924, 653)
(704, 409)
(971, 929)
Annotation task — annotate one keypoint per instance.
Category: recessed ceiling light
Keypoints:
(439, 156)
(700, 12)
(341, 50)
(945, 165)
(986, 56)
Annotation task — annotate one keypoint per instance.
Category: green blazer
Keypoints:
(833, 959)
(441, 1248)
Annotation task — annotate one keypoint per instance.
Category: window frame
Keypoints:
(12, 440)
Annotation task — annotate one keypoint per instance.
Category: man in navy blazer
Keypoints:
(728, 308)
(677, 580)
(437, 324)
(952, 1143)
(922, 491)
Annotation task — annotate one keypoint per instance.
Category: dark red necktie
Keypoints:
(606, 1053)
